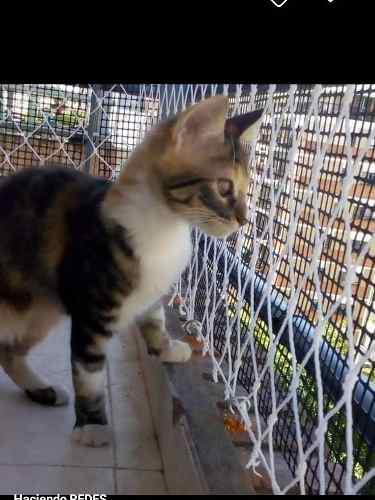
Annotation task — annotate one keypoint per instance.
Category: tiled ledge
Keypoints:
(198, 456)
(36, 452)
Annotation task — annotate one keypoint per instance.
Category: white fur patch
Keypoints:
(62, 396)
(162, 243)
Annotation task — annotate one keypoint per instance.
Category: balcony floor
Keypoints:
(36, 453)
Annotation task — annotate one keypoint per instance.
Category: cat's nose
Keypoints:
(240, 211)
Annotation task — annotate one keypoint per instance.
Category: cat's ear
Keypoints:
(244, 127)
(202, 122)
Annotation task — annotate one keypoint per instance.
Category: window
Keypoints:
(330, 105)
(370, 178)
(359, 211)
(357, 245)
(362, 105)
(344, 273)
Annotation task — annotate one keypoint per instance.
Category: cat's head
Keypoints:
(204, 169)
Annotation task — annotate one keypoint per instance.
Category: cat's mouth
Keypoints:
(219, 229)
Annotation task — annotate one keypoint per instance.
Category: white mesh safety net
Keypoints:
(285, 309)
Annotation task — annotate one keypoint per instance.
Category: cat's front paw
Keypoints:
(176, 352)
(92, 435)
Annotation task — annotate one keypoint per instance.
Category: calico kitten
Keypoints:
(105, 253)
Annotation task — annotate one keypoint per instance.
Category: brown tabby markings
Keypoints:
(55, 227)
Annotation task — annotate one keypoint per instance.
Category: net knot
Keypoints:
(182, 311)
(193, 327)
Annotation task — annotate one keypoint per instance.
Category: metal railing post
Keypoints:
(93, 127)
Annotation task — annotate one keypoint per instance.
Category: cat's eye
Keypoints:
(225, 187)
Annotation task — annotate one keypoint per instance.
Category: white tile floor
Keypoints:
(36, 453)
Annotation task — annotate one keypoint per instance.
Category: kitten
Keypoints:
(105, 253)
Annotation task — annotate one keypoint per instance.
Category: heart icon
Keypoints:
(279, 3)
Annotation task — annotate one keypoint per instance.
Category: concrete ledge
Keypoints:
(198, 455)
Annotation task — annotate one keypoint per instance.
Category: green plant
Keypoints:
(71, 118)
(335, 437)
(336, 338)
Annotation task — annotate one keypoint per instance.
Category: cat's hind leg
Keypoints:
(19, 332)
(38, 390)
